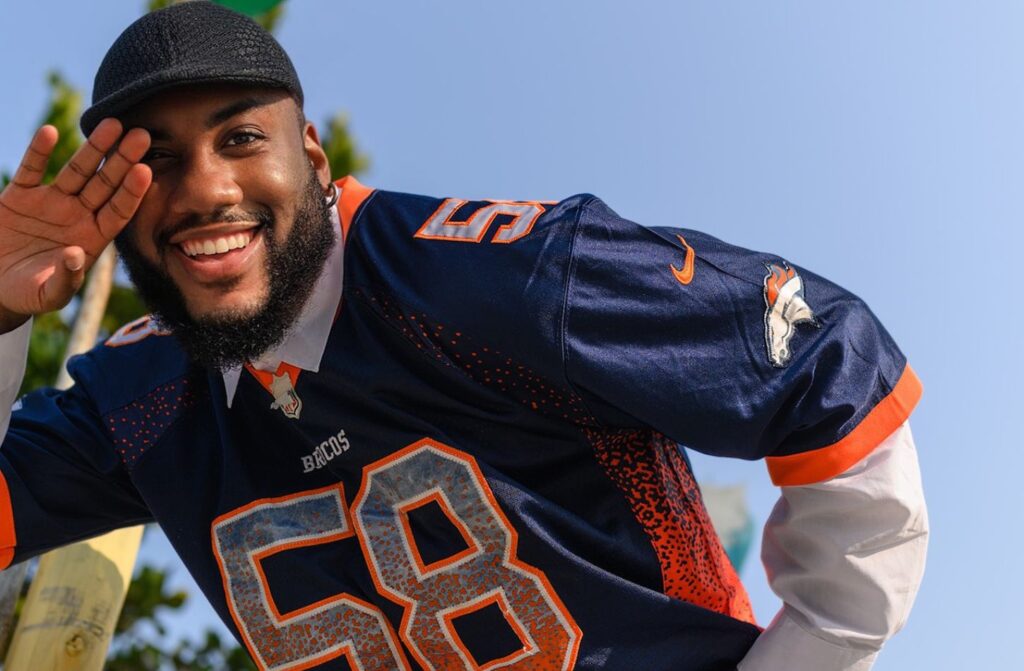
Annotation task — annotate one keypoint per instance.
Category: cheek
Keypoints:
(281, 190)
(271, 177)
(143, 227)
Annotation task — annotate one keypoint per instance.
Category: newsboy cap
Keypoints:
(187, 43)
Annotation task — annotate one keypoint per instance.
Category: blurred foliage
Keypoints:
(123, 306)
(63, 112)
(146, 594)
(268, 19)
(46, 351)
(209, 655)
(340, 147)
(135, 648)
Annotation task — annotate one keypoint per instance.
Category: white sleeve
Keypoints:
(846, 557)
(13, 353)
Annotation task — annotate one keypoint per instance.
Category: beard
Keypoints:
(236, 336)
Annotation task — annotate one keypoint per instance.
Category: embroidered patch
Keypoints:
(785, 307)
(285, 397)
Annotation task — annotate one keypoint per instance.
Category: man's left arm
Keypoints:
(738, 353)
(846, 557)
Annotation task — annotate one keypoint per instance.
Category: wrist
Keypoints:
(9, 321)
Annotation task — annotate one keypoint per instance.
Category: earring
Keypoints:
(333, 193)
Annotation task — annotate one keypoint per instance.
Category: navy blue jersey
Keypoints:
(485, 470)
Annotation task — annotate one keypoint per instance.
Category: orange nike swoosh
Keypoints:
(685, 274)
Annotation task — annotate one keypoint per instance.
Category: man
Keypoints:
(397, 432)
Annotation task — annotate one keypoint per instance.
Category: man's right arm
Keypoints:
(50, 235)
(13, 351)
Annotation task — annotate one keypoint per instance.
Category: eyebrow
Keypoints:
(237, 107)
(217, 117)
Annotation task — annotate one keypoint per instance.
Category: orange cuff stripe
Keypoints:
(831, 460)
(352, 196)
(7, 537)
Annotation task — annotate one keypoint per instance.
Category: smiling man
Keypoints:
(233, 233)
(387, 431)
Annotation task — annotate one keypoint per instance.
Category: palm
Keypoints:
(50, 234)
(37, 224)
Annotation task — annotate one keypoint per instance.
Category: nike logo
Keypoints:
(685, 274)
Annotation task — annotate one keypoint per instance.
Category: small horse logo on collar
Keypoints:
(285, 397)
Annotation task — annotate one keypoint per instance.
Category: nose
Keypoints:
(206, 184)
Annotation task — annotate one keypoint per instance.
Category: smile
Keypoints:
(218, 253)
(216, 245)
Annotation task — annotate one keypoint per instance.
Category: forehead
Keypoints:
(207, 106)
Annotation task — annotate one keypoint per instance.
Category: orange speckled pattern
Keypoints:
(139, 425)
(667, 503)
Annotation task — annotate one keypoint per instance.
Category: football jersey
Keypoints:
(485, 472)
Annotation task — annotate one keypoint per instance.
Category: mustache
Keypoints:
(258, 217)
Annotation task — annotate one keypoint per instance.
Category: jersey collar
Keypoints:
(306, 340)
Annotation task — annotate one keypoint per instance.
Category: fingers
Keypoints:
(82, 166)
(33, 164)
(67, 278)
(107, 179)
(122, 206)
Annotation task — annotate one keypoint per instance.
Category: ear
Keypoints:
(316, 155)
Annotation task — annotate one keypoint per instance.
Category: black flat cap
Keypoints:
(187, 43)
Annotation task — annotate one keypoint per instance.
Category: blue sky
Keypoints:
(877, 143)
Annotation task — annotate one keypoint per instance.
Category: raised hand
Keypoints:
(50, 235)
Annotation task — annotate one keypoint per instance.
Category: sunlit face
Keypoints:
(231, 236)
(225, 161)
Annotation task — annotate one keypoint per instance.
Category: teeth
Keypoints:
(216, 245)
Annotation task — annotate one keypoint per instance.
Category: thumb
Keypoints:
(74, 260)
(67, 278)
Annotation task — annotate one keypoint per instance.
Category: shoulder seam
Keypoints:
(563, 328)
(362, 209)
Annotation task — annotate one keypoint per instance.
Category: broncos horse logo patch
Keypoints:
(285, 397)
(785, 308)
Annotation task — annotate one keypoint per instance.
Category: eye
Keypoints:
(243, 137)
(155, 154)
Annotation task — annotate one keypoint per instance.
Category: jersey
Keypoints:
(485, 472)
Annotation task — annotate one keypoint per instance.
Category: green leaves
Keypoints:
(63, 111)
(47, 345)
(340, 147)
(146, 594)
(250, 7)
(267, 13)
(135, 648)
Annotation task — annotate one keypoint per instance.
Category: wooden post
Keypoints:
(73, 604)
(77, 594)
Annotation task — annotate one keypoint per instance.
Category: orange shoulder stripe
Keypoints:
(831, 460)
(8, 539)
(352, 196)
